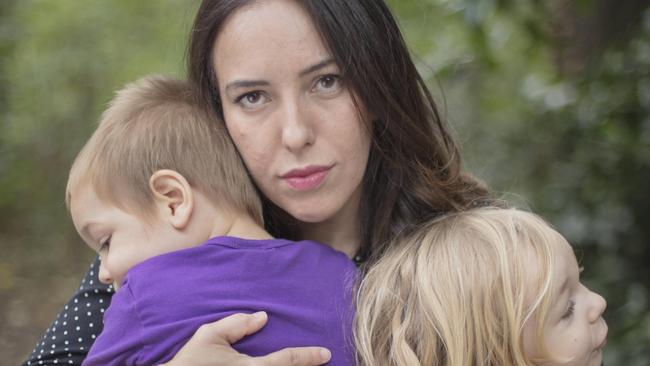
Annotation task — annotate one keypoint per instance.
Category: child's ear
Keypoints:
(173, 197)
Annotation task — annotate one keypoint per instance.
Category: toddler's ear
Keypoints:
(173, 197)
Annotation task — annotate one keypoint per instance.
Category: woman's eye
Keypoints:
(251, 100)
(328, 84)
(569, 311)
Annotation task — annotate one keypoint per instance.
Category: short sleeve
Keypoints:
(120, 343)
(74, 330)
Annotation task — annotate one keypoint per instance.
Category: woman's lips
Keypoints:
(308, 178)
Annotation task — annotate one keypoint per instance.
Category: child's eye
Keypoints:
(569, 310)
(105, 244)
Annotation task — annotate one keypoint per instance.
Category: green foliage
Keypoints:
(552, 107)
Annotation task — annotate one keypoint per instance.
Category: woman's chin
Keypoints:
(310, 215)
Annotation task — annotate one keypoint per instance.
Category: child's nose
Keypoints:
(598, 305)
(104, 275)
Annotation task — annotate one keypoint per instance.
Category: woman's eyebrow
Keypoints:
(245, 84)
(252, 83)
(316, 66)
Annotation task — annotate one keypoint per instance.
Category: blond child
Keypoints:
(483, 287)
(161, 194)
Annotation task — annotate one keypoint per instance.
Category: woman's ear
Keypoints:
(173, 196)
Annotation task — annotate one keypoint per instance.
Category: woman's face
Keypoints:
(289, 112)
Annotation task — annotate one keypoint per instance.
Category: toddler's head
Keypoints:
(487, 286)
(159, 173)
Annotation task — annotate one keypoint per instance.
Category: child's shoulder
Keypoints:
(306, 251)
(248, 244)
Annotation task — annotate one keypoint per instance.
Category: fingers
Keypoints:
(303, 356)
(232, 328)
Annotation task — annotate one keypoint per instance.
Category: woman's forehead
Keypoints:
(267, 36)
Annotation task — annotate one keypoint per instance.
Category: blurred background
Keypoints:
(550, 100)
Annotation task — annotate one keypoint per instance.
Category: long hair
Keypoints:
(414, 169)
(458, 291)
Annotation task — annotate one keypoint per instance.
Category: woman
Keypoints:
(337, 130)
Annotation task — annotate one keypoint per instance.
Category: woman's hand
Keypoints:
(211, 345)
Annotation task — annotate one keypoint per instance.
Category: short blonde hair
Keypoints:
(160, 123)
(458, 291)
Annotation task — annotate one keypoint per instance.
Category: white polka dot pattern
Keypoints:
(75, 328)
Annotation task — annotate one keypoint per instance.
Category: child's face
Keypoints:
(121, 239)
(575, 330)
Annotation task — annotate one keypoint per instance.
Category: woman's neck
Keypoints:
(332, 235)
(341, 232)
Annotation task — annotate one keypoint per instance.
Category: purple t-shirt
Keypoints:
(305, 288)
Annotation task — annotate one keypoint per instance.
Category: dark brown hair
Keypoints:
(414, 170)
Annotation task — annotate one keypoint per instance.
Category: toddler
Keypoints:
(487, 287)
(160, 192)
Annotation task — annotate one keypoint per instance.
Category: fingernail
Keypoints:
(325, 354)
(259, 315)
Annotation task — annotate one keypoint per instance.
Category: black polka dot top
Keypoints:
(68, 339)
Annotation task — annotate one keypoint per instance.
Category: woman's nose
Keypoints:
(104, 275)
(297, 131)
(598, 305)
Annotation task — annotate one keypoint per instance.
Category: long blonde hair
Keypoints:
(458, 291)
